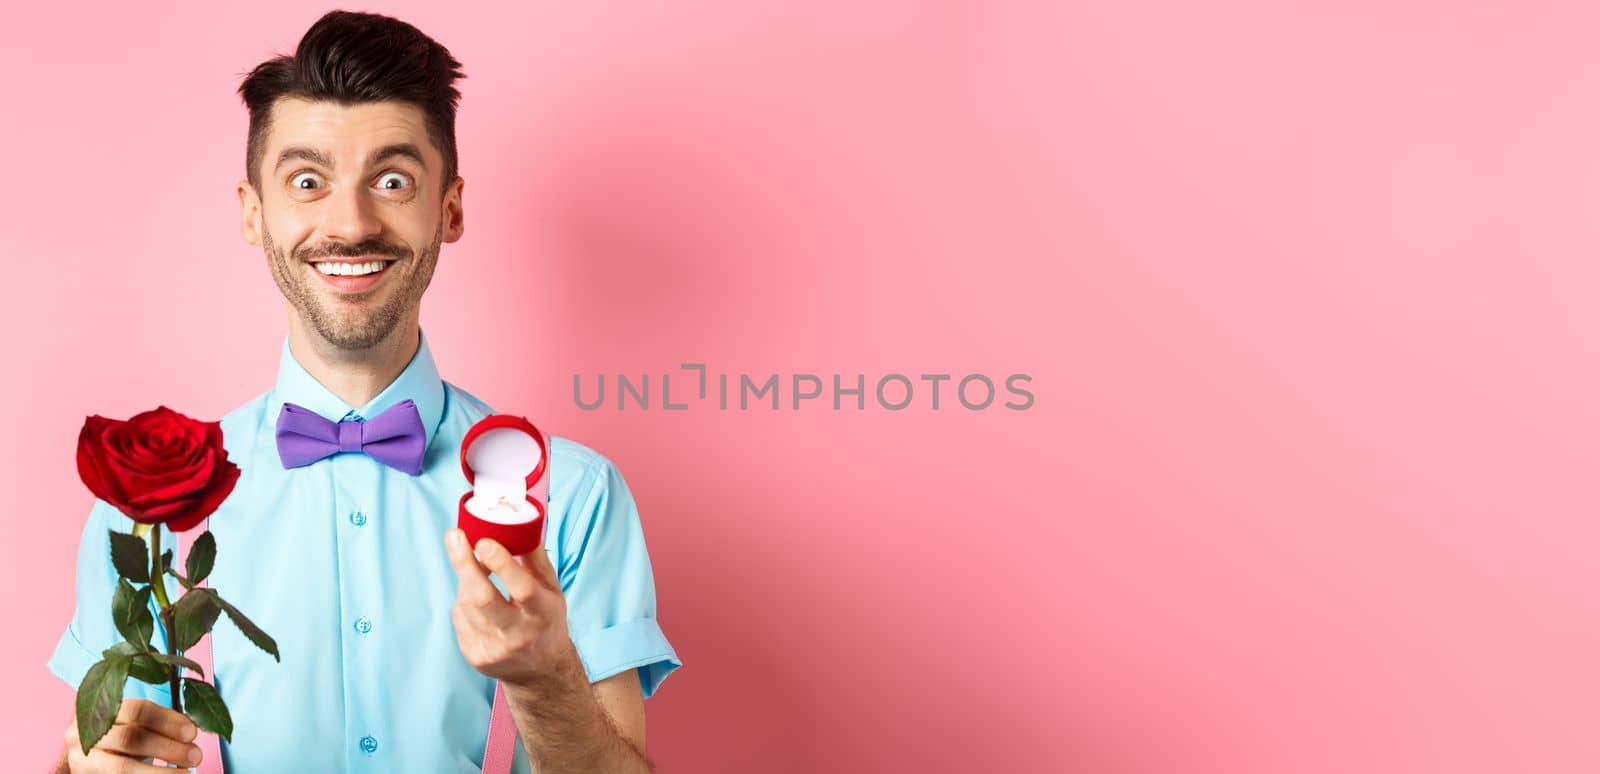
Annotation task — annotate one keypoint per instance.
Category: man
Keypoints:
(392, 639)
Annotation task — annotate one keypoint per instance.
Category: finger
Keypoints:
(140, 742)
(103, 760)
(162, 720)
(476, 590)
(518, 580)
(487, 622)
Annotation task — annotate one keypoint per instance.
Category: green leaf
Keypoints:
(247, 626)
(181, 579)
(130, 611)
(194, 614)
(144, 668)
(150, 660)
(166, 560)
(206, 708)
(179, 661)
(124, 649)
(201, 556)
(131, 556)
(99, 699)
(142, 663)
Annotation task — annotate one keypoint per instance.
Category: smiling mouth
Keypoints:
(353, 276)
(346, 268)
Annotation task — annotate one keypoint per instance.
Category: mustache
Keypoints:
(345, 250)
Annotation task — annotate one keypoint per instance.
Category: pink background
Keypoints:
(1307, 294)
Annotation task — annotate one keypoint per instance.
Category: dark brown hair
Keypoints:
(351, 58)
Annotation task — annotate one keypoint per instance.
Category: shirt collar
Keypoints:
(419, 381)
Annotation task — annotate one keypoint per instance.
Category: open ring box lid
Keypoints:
(505, 458)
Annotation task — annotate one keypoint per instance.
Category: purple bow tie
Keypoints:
(393, 437)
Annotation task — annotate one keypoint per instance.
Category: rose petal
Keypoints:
(173, 487)
(91, 466)
(218, 490)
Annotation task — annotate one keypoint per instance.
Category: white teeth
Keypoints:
(350, 269)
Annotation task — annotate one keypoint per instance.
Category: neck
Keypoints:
(356, 376)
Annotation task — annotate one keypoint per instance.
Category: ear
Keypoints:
(249, 213)
(454, 217)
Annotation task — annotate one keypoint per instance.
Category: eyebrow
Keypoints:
(401, 149)
(305, 154)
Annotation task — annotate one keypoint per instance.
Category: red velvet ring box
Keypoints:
(504, 457)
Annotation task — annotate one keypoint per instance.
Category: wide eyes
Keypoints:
(307, 181)
(394, 181)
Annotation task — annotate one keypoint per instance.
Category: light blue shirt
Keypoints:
(343, 563)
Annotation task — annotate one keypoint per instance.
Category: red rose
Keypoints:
(159, 467)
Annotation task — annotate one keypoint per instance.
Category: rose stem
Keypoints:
(158, 584)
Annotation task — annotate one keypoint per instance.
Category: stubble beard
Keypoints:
(352, 327)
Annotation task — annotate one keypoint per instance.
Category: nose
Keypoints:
(350, 216)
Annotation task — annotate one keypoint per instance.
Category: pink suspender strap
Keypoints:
(210, 745)
(501, 747)
(499, 751)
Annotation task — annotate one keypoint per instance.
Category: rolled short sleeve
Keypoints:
(90, 629)
(609, 588)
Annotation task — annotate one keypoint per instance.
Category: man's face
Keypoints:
(351, 214)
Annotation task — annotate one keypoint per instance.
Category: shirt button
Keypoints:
(364, 625)
(369, 745)
(358, 518)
